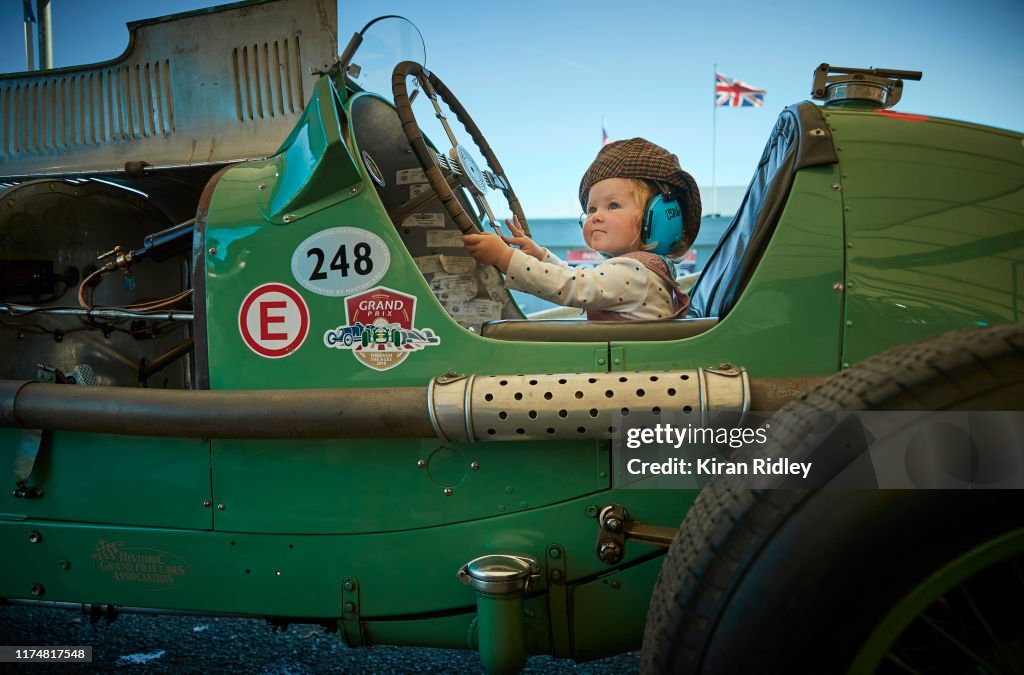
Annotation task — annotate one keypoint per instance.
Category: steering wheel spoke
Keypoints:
(485, 208)
(496, 182)
(446, 163)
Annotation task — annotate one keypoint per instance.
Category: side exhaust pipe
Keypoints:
(452, 408)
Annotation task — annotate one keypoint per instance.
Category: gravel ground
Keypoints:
(179, 644)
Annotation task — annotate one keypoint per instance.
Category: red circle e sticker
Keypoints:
(273, 320)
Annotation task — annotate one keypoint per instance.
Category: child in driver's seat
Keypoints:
(639, 207)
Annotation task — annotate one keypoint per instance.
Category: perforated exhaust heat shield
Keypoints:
(574, 406)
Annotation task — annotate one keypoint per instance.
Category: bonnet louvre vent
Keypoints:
(81, 109)
(268, 79)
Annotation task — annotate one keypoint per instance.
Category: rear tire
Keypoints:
(788, 581)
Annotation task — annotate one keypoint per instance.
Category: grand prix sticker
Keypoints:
(380, 329)
(273, 320)
(340, 261)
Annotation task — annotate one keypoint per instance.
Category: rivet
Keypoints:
(616, 585)
(422, 464)
(556, 575)
(849, 322)
(617, 361)
(554, 551)
(508, 489)
(261, 186)
(207, 503)
(34, 537)
(277, 573)
(64, 564)
(353, 190)
(501, 508)
(53, 187)
(837, 187)
(213, 250)
(10, 202)
(287, 218)
(600, 362)
(38, 589)
(350, 606)
(846, 365)
(522, 505)
(591, 510)
(603, 474)
(475, 466)
(849, 244)
(448, 492)
(220, 507)
(350, 585)
(838, 287)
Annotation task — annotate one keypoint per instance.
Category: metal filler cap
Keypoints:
(500, 574)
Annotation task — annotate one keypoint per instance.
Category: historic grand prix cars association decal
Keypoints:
(273, 320)
(380, 328)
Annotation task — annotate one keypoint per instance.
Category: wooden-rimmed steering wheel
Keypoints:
(459, 160)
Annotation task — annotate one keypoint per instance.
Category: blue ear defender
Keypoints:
(663, 224)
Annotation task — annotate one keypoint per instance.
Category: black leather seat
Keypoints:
(801, 138)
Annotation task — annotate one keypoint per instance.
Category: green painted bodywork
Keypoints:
(274, 528)
(933, 211)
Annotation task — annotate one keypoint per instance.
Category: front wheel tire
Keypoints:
(792, 581)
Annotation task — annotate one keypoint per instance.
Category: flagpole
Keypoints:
(30, 61)
(714, 144)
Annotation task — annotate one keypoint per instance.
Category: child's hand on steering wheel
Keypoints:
(523, 241)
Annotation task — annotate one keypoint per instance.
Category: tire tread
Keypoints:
(729, 525)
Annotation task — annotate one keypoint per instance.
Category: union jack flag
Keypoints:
(736, 94)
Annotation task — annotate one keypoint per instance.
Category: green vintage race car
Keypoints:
(283, 390)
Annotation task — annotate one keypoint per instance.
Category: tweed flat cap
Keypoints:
(639, 158)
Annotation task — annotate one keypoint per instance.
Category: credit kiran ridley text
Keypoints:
(676, 466)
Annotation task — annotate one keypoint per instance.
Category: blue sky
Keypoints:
(539, 76)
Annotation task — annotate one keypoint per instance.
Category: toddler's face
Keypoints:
(613, 217)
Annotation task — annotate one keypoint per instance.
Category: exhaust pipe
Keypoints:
(452, 407)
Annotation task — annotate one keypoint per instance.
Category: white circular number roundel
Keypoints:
(340, 261)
